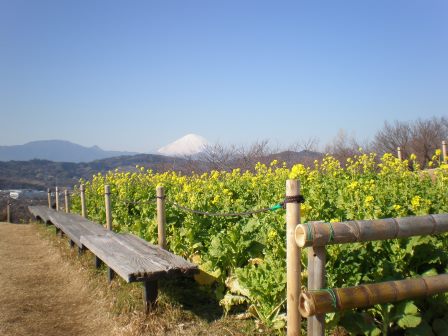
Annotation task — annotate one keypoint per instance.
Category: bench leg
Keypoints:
(98, 262)
(110, 274)
(150, 289)
(58, 231)
(72, 243)
(81, 250)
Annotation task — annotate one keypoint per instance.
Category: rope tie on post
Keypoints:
(330, 239)
(333, 296)
(309, 232)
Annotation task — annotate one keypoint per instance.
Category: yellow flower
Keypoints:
(353, 185)
(272, 234)
(415, 202)
(369, 200)
(413, 157)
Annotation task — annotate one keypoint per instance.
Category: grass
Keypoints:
(183, 307)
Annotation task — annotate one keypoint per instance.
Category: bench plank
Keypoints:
(132, 260)
(40, 212)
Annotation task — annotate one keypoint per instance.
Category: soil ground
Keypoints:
(46, 289)
(39, 294)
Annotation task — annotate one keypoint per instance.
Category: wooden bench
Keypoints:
(40, 213)
(134, 260)
(129, 256)
(72, 225)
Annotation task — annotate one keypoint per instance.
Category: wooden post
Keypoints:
(161, 217)
(316, 280)
(108, 208)
(149, 294)
(83, 201)
(110, 272)
(98, 262)
(8, 212)
(445, 158)
(399, 153)
(293, 256)
(67, 201)
(57, 198)
(49, 197)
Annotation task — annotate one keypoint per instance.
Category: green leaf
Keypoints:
(410, 309)
(422, 329)
(409, 321)
(440, 327)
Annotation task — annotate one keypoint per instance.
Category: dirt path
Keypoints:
(39, 293)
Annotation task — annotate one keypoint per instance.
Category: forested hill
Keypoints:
(41, 174)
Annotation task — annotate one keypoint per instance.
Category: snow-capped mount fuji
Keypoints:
(190, 144)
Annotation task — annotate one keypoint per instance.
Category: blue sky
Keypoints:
(136, 75)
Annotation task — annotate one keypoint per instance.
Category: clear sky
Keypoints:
(136, 75)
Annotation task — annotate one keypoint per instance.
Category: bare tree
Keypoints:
(247, 157)
(218, 157)
(421, 137)
(343, 146)
(392, 136)
(427, 136)
(309, 144)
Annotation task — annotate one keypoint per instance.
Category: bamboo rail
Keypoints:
(321, 234)
(326, 301)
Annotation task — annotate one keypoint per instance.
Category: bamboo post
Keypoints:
(445, 158)
(83, 201)
(110, 273)
(57, 198)
(49, 197)
(8, 212)
(161, 216)
(363, 296)
(316, 280)
(399, 153)
(67, 201)
(293, 256)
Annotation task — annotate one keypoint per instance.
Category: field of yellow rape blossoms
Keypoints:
(243, 258)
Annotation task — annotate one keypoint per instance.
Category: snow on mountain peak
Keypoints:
(189, 144)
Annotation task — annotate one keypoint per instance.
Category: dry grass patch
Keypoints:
(183, 307)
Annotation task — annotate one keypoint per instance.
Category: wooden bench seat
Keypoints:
(129, 256)
(41, 213)
(72, 225)
(134, 259)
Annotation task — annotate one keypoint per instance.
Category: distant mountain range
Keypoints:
(41, 174)
(43, 164)
(56, 150)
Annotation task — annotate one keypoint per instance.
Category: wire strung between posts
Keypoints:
(281, 205)
(148, 201)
